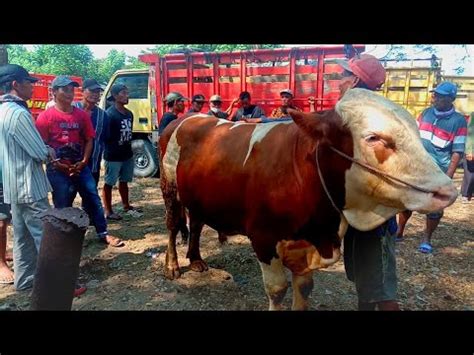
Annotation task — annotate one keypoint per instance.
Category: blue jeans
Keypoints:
(65, 189)
(27, 235)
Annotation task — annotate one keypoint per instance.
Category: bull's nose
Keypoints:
(446, 194)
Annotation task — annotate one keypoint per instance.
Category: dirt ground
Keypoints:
(131, 278)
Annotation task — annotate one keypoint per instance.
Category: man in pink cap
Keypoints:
(364, 71)
(369, 257)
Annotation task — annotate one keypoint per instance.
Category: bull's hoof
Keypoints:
(172, 273)
(199, 266)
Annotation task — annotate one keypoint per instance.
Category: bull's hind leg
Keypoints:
(173, 218)
(302, 287)
(183, 228)
(194, 254)
(275, 282)
(172, 270)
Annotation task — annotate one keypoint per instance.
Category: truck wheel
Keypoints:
(145, 159)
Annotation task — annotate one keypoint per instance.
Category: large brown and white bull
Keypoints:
(285, 184)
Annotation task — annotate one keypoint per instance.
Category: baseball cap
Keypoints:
(115, 90)
(215, 98)
(198, 98)
(173, 96)
(10, 72)
(91, 84)
(63, 80)
(367, 68)
(286, 91)
(446, 88)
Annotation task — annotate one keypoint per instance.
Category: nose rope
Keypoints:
(368, 167)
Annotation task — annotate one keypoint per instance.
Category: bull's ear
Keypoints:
(311, 123)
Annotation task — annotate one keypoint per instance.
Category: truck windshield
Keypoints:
(137, 85)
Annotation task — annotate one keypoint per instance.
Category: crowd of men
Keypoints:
(72, 138)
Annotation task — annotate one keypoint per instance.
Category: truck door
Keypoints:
(139, 104)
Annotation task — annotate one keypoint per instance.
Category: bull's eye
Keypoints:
(372, 138)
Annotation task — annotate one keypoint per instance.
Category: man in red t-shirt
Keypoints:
(69, 131)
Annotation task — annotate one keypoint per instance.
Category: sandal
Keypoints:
(112, 241)
(79, 290)
(114, 217)
(131, 208)
(134, 213)
(425, 248)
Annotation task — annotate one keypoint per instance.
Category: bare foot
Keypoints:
(6, 275)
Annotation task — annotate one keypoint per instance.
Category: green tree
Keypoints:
(104, 68)
(172, 48)
(134, 63)
(3, 54)
(62, 59)
(18, 54)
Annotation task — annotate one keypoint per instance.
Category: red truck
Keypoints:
(307, 71)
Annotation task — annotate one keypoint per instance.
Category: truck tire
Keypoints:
(145, 159)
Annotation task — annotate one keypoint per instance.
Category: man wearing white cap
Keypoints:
(286, 103)
(215, 105)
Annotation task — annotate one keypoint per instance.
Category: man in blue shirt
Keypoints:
(91, 90)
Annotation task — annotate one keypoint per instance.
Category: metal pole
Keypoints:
(57, 267)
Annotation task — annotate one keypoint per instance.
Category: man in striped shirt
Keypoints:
(443, 134)
(25, 185)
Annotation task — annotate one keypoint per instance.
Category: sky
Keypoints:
(450, 54)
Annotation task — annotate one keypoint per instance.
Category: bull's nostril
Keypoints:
(446, 194)
(441, 196)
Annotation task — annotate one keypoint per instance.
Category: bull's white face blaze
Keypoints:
(386, 136)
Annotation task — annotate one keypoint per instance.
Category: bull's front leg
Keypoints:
(194, 254)
(275, 282)
(302, 287)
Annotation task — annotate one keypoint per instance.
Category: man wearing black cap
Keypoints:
(197, 103)
(175, 104)
(91, 90)
(25, 185)
(118, 153)
(69, 131)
